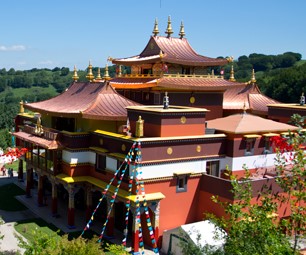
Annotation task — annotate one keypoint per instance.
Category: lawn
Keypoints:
(8, 200)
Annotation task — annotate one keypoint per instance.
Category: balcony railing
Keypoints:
(47, 133)
(178, 75)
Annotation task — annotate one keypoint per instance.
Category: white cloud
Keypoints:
(12, 48)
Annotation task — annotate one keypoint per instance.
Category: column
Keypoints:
(28, 184)
(54, 198)
(155, 207)
(20, 170)
(111, 220)
(71, 214)
(40, 195)
(135, 232)
(88, 203)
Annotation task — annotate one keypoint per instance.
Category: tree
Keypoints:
(290, 165)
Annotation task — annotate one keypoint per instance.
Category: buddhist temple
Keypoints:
(147, 149)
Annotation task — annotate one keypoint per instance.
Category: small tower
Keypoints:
(182, 31)
(169, 30)
(99, 78)
(253, 79)
(166, 101)
(106, 75)
(155, 30)
(21, 109)
(75, 76)
(90, 75)
(232, 76)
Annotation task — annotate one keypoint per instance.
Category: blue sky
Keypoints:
(64, 33)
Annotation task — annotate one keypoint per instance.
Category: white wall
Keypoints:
(79, 157)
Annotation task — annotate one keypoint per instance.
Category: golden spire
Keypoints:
(161, 55)
(169, 30)
(120, 71)
(98, 78)
(21, 109)
(106, 75)
(253, 79)
(90, 75)
(232, 76)
(155, 30)
(75, 76)
(182, 31)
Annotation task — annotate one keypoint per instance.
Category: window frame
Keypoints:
(184, 179)
(210, 164)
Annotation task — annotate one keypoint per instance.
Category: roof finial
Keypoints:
(169, 30)
(166, 101)
(21, 109)
(302, 99)
(232, 76)
(155, 30)
(106, 75)
(98, 78)
(182, 31)
(75, 76)
(244, 108)
(253, 79)
(90, 75)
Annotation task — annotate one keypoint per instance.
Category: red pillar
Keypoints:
(54, 198)
(20, 170)
(71, 215)
(40, 198)
(28, 184)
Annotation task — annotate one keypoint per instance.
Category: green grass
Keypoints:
(28, 228)
(8, 200)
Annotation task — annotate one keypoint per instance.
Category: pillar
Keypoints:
(71, 213)
(28, 184)
(88, 204)
(155, 222)
(54, 198)
(40, 195)
(20, 170)
(135, 232)
(111, 220)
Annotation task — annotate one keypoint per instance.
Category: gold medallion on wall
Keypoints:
(192, 100)
(169, 151)
(183, 120)
(198, 149)
(123, 147)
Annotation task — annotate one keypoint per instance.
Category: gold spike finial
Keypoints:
(253, 79)
(106, 75)
(232, 76)
(98, 78)
(75, 76)
(21, 109)
(155, 30)
(161, 55)
(120, 71)
(90, 75)
(182, 31)
(169, 30)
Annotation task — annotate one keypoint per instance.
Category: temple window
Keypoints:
(249, 147)
(100, 162)
(185, 70)
(268, 146)
(212, 168)
(181, 183)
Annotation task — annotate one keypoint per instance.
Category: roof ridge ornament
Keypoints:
(98, 78)
(182, 31)
(155, 30)
(75, 76)
(169, 30)
(253, 79)
(106, 74)
(90, 75)
(232, 76)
